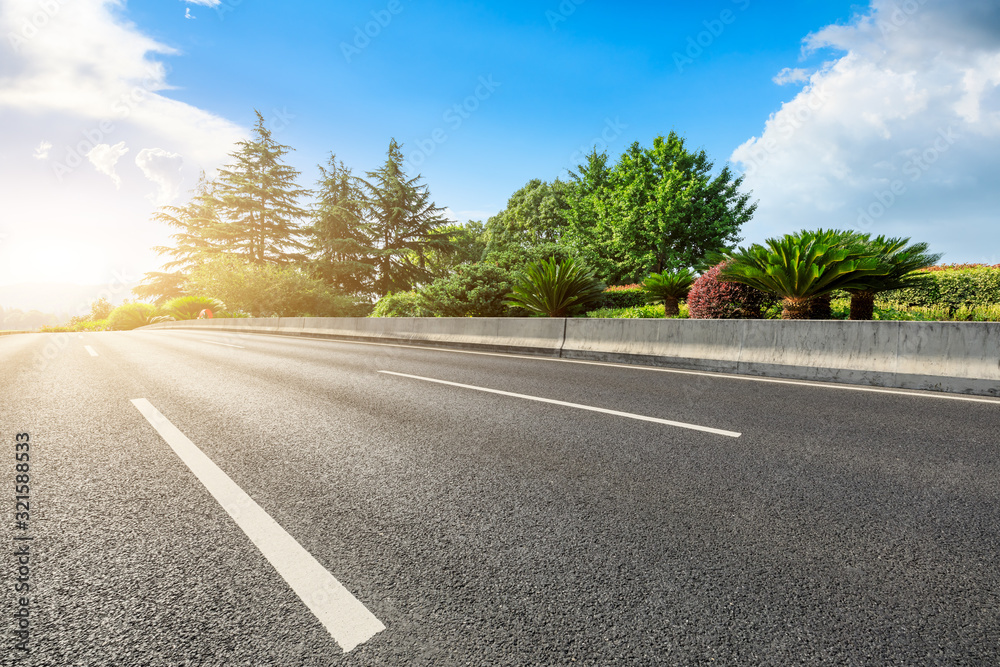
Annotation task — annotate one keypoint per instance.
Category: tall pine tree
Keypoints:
(194, 224)
(340, 244)
(258, 202)
(403, 225)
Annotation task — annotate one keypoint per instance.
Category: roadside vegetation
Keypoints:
(658, 225)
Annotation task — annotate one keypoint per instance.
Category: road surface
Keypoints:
(203, 498)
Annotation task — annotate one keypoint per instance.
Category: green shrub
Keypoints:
(711, 298)
(190, 307)
(624, 296)
(472, 290)
(130, 316)
(91, 325)
(637, 312)
(401, 304)
(951, 288)
(556, 288)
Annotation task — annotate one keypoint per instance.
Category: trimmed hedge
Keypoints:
(624, 296)
(964, 286)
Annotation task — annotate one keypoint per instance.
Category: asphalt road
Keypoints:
(840, 527)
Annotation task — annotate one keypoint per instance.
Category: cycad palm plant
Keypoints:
(903, 261)
(799, 268)
(556, 288)
(820, 307)
(668, 289)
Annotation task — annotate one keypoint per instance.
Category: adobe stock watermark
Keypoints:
(280, 120)
(914, 169)
(29, 26)
(612, 131)
(785, 125)
(565, 9)
(454, 116)
(714, 28)
(899, 15)
(121, 109)
(226, 7)
(363, 35)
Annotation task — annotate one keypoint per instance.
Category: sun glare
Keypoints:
(56, 262)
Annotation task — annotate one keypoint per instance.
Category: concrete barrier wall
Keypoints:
(961, 357)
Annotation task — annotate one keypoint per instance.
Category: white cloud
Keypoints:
(205, 3)
(105, 157)
(789, 75)
(188, 14)
(897, 134)
(164, 169)
(88, 63)
(42, 150)
(81, 75)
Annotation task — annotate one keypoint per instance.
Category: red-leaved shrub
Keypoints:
(711, 298)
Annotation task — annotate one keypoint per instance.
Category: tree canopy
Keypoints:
(257, 200)
(403, 225)
(657, 209)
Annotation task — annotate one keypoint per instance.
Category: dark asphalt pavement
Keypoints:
(841, 527)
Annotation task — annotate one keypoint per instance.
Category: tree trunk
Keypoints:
(819, 307)
(795, 309)
(862, 305)
(670, 307)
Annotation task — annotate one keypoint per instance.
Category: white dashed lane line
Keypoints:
(347, 620)
(578, 406)
(214, 342)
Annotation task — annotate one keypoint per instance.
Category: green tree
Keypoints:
(196, 224)
(161, 286)
(258, 202)
(403, 224)
(656, 210)
(194, 241)
(465, 246)
(100, 309)
(535, 215)
(340, 245)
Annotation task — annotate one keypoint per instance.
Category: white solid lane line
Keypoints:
(218, 343)
(630, 415)
(91, 350)
(347, 620)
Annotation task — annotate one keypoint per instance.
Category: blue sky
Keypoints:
(882, 116)
(561, 75)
